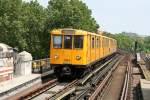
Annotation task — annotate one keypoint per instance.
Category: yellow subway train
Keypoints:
(73, 51)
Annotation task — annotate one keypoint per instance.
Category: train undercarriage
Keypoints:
(68, 71)
(65, 72)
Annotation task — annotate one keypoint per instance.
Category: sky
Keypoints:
(117, 16)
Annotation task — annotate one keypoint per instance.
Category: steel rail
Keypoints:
(72, 87)
(95, 80)
(82, 81)
(81, 95)
(103, 72)
(124, 93)
(105, 80)
(68, 89)
(100, 87)
(106, 89)
(114, 67)
(38, 90)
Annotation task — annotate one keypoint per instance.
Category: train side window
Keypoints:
(97, 43)
(93, 42)
(57, 41)
(67, 42)
(78, 42)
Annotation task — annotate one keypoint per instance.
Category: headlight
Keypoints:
(56, 56)
(78, 57)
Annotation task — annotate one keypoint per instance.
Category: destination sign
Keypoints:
(68, 31)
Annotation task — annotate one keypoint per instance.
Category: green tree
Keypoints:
(27, 25)
(11, 27)
(147, 44)
(70, 13)
(34, 17)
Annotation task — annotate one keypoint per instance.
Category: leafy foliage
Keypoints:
(70, 13)
(27, 25)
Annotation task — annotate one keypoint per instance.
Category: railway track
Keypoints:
(102, 87)
(118, 85)
(126, 86)
(93, 83)
(35, 91)
(49, 89)
(69, 88)
(90, 86)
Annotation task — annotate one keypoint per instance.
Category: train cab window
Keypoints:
(57, 41)
(68, 42)
(78, 42)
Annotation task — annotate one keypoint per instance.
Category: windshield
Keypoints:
(68, 42)
(57, 41)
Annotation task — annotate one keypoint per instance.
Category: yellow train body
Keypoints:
(79, 48)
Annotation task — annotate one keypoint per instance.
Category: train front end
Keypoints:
(67, 52)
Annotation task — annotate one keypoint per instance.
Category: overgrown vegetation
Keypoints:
(27, 26)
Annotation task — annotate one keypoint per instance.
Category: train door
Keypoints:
(93, 48)
(67, 51)
(56, 49)
(78, 53)
(104, 45)
(100, 47)
(97, 48)
(89, 48)
(109, 46)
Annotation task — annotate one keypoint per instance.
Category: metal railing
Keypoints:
(41, 65)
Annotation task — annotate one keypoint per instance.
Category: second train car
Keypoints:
(73, 51)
